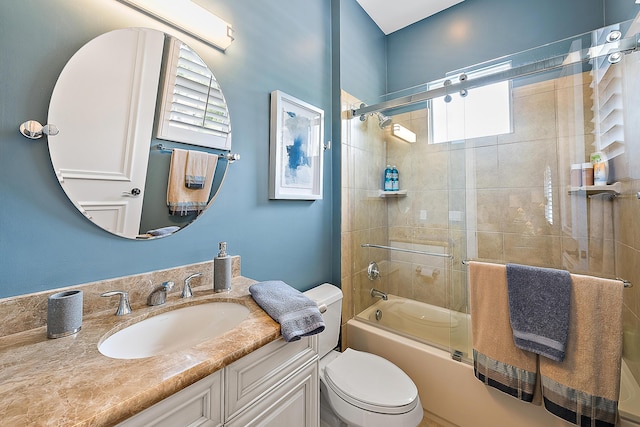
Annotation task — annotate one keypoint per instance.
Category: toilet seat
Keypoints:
(371, 383)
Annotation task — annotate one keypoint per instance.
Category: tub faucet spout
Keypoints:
(376, 293)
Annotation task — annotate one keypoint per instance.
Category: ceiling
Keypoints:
(393, 15)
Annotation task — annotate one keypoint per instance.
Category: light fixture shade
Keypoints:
(403, 133)
(190, 18)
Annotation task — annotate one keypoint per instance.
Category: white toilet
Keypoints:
(356, 388)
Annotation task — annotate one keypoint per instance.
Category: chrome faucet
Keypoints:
(186, 290)
(159, 295)
(376, 293)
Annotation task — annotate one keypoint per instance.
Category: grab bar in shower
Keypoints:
(625, 283)
(411, 251)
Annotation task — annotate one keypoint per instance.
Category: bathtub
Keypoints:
(448, 390)
(426, 323)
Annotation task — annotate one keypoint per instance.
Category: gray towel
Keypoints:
(539, 309)
(164, 230)
(298, 315)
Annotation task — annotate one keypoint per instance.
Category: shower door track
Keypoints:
(627, 45)
(411, 251)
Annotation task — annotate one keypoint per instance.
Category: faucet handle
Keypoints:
(373, 272)
(123, 305)
(186, 290)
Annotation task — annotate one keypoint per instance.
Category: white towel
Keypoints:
(497, 362)
(584, 388)
(181, 200)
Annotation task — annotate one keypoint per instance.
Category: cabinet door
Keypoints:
(199, 405)
(253, 376)
(294, 403)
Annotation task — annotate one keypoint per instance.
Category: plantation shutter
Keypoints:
(608, 109)
(193, 110)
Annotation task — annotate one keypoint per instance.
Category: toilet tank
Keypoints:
(330, 296)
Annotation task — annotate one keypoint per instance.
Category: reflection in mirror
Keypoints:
(116, 95)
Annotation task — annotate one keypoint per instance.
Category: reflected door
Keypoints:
(113, 94)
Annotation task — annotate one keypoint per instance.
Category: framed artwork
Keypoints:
(296, 149)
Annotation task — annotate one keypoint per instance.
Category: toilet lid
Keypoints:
(371, 383)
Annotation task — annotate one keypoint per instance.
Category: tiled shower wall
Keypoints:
(485, 199)
(364, 214)
(627, 213)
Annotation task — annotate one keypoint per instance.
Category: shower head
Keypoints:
(383, 121)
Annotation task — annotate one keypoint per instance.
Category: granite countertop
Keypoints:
(68, 382)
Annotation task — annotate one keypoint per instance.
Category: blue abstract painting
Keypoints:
(296, 149)
(298, 170)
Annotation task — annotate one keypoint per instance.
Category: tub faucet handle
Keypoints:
(186, 290)
(373, 272)
(123, 305)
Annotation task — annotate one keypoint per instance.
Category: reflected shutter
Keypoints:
(193, 109)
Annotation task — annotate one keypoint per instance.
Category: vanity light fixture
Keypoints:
(403, 133)
(190, 18)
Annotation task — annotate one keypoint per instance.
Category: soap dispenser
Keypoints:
(222, 270)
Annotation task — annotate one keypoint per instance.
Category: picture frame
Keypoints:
(296, 149)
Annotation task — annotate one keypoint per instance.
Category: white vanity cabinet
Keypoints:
(276, 385)
(292, 404)
(197, 405)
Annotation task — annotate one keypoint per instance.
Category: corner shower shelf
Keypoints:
(612, 189)
(388, 194)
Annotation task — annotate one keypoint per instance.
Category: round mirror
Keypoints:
(144, 133)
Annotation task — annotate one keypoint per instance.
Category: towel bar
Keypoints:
(411, 251)
(626, 283)
(229, 156)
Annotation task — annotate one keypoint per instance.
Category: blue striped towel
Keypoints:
(539, 309)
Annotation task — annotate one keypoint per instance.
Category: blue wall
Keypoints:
(281, 44)
(619, 10)
(363, 57)
(45, 243)
(475, 31)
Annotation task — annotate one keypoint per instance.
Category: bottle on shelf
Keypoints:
(388, 178)
(600, 168)
(395, 179)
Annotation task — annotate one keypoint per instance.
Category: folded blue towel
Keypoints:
(196, 169)
(539, 309)
(298, 315)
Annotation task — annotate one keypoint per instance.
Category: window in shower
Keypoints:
(481, 111)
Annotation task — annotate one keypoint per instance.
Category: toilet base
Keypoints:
(328, 418)
(355, 417)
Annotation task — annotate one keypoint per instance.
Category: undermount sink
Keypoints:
(174, 330)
